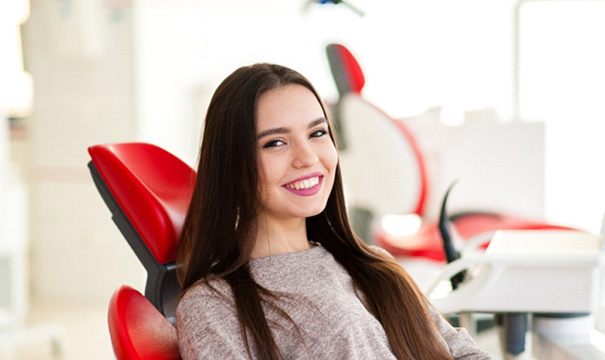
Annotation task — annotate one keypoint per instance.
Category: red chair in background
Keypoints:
(385, 172)
(148, 191)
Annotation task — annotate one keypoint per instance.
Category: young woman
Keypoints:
(269, 265)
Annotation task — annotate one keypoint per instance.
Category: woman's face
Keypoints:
(296, 157)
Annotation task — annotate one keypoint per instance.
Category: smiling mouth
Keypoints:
(306, 187)
(303, 184)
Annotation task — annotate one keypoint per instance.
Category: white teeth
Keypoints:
(304, 184)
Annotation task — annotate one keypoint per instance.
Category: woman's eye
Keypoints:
(319, 133)
(273, 143)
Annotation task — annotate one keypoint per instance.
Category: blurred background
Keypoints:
(74, 73)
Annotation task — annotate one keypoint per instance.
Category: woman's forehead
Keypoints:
(288, 105)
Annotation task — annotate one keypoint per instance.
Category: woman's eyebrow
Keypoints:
(317, 122)
(285, 130)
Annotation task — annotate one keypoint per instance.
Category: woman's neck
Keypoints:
(280, 237)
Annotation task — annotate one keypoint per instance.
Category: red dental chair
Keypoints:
(400, 185)
(148, 191)
(365, 134)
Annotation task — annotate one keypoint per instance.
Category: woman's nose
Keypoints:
(304, 156)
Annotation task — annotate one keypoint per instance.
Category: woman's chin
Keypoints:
(313, 212)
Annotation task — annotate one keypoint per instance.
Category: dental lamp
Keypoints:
(352, 7)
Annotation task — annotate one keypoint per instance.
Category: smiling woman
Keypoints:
(297, 162)
(269, 266)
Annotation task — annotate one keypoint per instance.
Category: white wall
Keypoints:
(80, 55)
(184, 49)
(563, 82)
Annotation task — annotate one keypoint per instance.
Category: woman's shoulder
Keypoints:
(207, 324)
(207, 294)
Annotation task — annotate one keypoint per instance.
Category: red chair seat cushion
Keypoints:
(138, 330)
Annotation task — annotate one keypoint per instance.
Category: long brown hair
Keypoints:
(219, 230)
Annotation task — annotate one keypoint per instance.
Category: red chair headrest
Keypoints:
(345, 69)
(155, 205)
(138, 330)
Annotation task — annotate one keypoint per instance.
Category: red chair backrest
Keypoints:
(381, 160)
(138, 330)
(383, 166)
(152, 187)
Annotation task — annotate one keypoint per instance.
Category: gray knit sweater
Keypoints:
(332, 321)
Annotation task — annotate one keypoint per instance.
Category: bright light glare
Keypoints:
(597, 339)
(401, 225)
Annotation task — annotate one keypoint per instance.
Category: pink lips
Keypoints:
(306, 192)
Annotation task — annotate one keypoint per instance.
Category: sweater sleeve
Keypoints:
(460, 343)
(207, 327)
